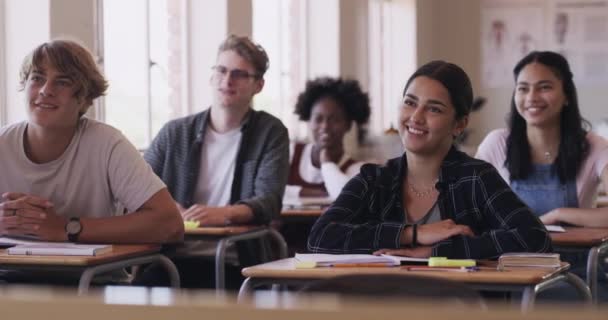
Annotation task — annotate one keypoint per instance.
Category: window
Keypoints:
(279, 26)
(392, 57)
(141, 50)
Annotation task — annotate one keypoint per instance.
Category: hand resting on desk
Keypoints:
(25, 215)
(218, 216)
(418, 252)
(427, 236)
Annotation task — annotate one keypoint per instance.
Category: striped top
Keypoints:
(368, 215)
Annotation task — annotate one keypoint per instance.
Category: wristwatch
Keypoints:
(73, 228)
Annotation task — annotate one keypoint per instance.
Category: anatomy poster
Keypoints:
(509, 30)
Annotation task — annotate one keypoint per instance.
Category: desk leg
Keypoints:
(592, 272)
(220, 259)
(220, 251)
(280, 241)
(528, 298)
(245, 290)
(529, 294)
(171, 271)
(580, 286)
(90, 272)
(592, 267)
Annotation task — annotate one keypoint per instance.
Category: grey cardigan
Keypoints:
(261, 169)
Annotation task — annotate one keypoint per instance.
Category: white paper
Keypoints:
(328, 259)
(554, 228)
(57, 249)
(292, 198)
(4, 241)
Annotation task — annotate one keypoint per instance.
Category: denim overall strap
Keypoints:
(542, 191)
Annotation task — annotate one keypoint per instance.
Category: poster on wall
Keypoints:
(578, 29)
(509, 30)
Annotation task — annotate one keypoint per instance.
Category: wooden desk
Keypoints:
(229, 235)
(219, 231)
(304, 213)
(530, 281)
(593, 239)
(121, 256)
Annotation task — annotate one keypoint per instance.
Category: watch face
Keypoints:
(73, 227)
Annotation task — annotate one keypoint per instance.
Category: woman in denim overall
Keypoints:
(550, 159)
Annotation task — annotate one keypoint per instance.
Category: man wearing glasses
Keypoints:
(229, 163)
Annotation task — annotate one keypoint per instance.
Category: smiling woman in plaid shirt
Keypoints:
(434, 200)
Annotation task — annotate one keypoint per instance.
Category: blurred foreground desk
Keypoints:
(530, 281)
(121, 256)
(226, 236)
(128, 303)
(602, 201)
(593, 239)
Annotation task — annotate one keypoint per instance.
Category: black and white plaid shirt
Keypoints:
(368, 215)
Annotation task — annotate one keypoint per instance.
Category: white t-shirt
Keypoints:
(329, 173)
(216, 173)
(99, 173)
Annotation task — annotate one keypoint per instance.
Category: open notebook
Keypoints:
(333, 260)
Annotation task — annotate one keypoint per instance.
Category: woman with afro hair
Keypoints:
(330, 106)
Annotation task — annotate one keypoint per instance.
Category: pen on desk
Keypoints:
(448, 269)
(363, 265)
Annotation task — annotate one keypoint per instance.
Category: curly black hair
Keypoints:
(346, 92)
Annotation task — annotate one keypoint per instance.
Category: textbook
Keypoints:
(306, 260)
(59, 249)
(524, 259)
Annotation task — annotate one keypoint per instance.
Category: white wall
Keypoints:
(323, 38)
(73, 19)
(450, 30)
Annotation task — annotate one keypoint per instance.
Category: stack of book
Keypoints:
(529, 260)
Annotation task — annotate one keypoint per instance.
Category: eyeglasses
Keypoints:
(220, 72)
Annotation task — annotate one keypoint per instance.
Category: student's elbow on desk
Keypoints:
(168, 223)
(174, 227)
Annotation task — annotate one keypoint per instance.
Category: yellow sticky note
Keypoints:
(444, 262)
(191, 224)
(305, 264)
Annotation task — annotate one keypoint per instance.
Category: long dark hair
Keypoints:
(573, 146)
(454, 79)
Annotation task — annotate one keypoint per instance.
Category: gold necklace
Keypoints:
(420, 193)
(548, 156)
